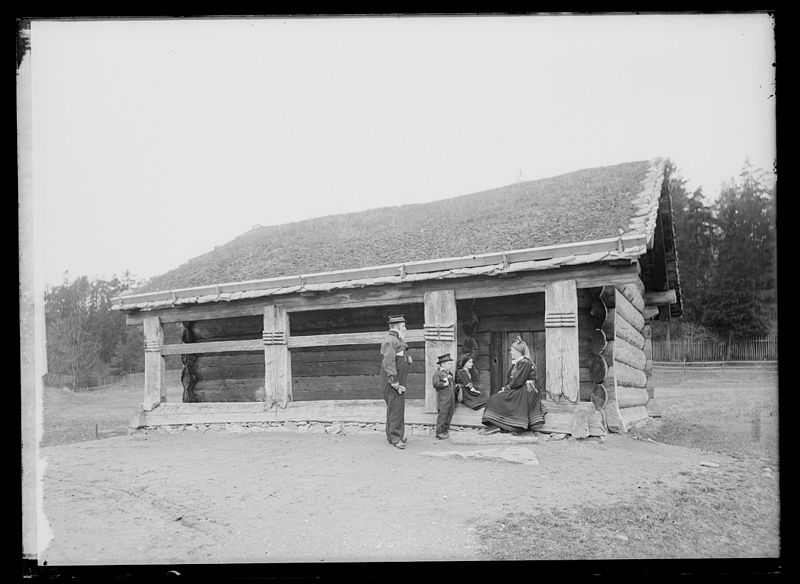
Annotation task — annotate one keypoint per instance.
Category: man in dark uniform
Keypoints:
(394, 370)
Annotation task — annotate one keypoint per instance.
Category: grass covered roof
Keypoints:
(585, 205)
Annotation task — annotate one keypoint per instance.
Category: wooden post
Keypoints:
(277, 359)
(561, 334)
(440, 338)
(155, 368)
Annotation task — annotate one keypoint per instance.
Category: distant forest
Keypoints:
(727, 260)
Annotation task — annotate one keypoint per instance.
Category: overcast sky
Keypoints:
(156, 140)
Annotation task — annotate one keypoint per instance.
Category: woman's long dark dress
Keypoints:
(472, 400)
(516, 408)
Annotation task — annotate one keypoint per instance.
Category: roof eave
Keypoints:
(542, 258)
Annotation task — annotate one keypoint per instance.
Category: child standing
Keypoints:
(445, 399)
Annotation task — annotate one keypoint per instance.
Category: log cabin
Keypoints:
(285, 322)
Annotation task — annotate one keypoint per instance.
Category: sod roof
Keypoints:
(585, 205)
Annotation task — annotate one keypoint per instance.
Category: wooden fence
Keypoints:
(765, 349)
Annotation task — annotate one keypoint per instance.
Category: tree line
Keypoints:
(726, 259)
(86, 340)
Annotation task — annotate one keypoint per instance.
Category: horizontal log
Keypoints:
(560, 415)
(511, 323)
(594, 393)
(233, 384)
(628, 376)
(631, 396)
(624, 309)
(599, 397)
(632, 294)
(254, 394)
(650, 311)
(371, 338)
(624, 352)
(597, 312)
(365, 319)
(587, 389)
(663, 297)
(244, 359)
(529, 304)
(347, 368)
(590, 275)
(625, 330)
(203, 372)
(351, 387)
(212, 347)
(219, 329)
(631, 415)
(598, 369)
(597, 341)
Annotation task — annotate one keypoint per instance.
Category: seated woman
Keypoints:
(471, 395)
(518, 405)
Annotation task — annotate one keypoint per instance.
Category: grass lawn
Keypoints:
(97, 413)
(733, 412)
(727, 512)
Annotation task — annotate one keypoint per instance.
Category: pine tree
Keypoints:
(85, 338)
(742, 295)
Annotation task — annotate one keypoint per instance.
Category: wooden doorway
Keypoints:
(500, 359)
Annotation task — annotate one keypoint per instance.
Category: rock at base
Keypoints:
(514, 454)
(499, 438)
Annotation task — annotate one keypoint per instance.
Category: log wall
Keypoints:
(318, 373)
(626, 378)
(352, 372)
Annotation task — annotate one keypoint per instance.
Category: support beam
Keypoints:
(371, 338)
(665, 297)
(440, 337)
(155, 367)
(561, 340)
(277, 359)
(212, 347)
(650, 311)
(291, 342)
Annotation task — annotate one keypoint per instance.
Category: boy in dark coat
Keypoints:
(445, 398)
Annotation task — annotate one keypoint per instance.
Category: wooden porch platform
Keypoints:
(577, 419)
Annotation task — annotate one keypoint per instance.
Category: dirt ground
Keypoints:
(284, 496)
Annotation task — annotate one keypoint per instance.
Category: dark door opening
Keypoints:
(500, 357)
